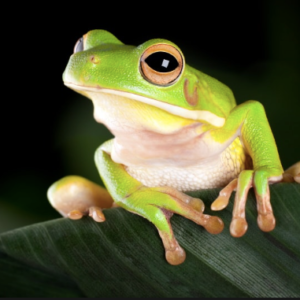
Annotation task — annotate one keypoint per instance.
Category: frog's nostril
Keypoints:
(94, 59)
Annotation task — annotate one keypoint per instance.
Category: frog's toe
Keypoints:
(266, 222)
(222, 201)
(238, 227)
(265, 219)
(197, 204)
(292, 173)
(175, 256)
(214, 225)
(96, 213)
(75, 214)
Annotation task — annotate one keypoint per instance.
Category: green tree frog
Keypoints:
(175, 129)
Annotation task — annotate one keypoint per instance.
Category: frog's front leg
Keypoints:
(249, 122)
(292, 174)
(157, 204)
(245, 181)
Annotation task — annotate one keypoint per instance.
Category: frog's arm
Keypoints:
(155, 204)
(249, 122)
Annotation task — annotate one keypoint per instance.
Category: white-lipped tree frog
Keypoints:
(176, 129)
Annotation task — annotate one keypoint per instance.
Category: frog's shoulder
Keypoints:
(211, 94)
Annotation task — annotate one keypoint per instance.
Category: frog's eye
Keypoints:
(78, 46)
(161, 64)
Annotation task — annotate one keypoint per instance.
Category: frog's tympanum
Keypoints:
(176, 129)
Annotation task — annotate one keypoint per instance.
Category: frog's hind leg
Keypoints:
(74, 197)
(292, 173)
(158, 204)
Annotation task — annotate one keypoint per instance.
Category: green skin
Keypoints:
(107, 63)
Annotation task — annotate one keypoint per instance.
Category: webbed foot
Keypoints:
(158, 205)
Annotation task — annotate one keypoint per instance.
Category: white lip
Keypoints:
(199, 115)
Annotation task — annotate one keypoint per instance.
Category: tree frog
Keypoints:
(175, 129)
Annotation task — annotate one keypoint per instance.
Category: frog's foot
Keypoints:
(238, 225)
(247, 179)
(292, 173)
(94, 212)
(74, 197)
(158, 205)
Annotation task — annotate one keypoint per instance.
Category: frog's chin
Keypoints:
(198, 115)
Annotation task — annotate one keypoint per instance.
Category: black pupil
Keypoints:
(162, 62)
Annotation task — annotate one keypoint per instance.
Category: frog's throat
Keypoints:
(199, 115)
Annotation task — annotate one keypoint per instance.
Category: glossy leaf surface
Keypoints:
(124, 256)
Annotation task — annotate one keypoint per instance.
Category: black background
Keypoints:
(252, 46)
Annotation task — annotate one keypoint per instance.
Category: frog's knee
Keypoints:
(74, 196)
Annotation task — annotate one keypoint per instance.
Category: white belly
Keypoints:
(215, 173)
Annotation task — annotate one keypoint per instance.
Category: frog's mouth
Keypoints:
(198, 115)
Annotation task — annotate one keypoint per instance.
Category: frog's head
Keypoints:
(154, 73)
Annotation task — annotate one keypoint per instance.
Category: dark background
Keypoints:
(48, 130)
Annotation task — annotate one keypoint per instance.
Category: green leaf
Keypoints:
(124, 256)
